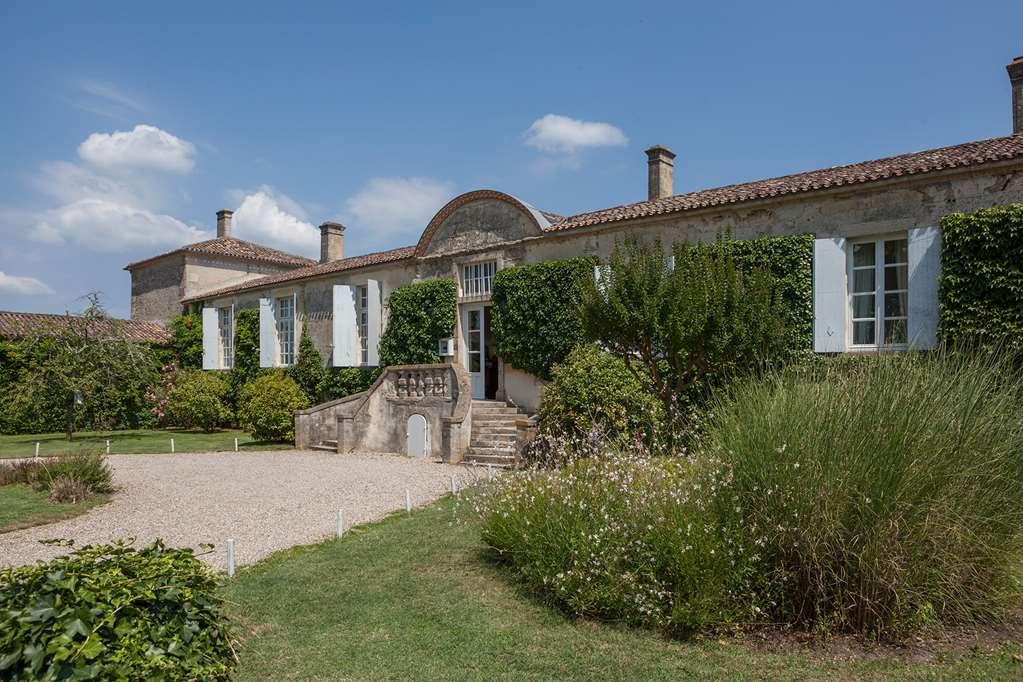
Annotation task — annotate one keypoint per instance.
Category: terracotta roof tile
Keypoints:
(233, 247)
(316, 270)
(958, 156)
(15, 325)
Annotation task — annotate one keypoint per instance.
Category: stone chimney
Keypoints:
(660, 168)
(1015, 69)
(224, 223)
(332, 242)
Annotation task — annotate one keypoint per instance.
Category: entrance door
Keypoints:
(473, 328)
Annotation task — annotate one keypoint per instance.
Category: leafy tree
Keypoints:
(420, 314)
(83, 355)
(196, 400)
(308, 368)
(682, 325)
(186, 340)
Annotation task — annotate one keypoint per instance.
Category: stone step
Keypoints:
(329, 442)
(495, 429)
(501, 461)
(495, 418)
(495, 411)
(477, 444)
(495, 437)
(324, 447)
(480, 401)
(493, 450)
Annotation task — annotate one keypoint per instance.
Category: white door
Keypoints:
(417, 439)
(472, 327)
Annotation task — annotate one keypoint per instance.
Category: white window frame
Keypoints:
(362, 322)
(477, 278)
(225, 333)
(285, 327)
(879, 317)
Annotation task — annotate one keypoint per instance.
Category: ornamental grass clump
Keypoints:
(890, 489)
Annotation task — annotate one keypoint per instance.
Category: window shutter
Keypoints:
(267, 333)
(346, 329)
(830, 297)
(210, 339)
(924, 246)
(374, 303)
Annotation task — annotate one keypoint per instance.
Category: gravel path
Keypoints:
(266, 501)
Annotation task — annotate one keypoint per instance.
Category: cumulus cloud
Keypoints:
(560, 134)
(102, 225)
(144, 147)
(68, 182)
(26, 286)
(391, 206)
(269, 217)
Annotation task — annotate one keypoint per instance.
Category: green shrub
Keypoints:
(112, 612)
(90, 469)
(981, 283)
(186, 340)
(339, 382)
(535, 321)
(267, 405)
(887, 492)
(197, 400)
(420, 314)
(68, 490)
(593, 389)
(308, 369)
(246, 346)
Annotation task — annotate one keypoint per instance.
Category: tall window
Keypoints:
(880, 286)
(362, 296)
(286, 331)
(226, 337)
(478, 278)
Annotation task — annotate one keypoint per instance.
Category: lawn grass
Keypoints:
(412, 597)
(21, 507)
(143, 441)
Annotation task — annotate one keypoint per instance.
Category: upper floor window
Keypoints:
(879, 283)
(286, 331)
(478, 278)
(226, 330)
(362, 316)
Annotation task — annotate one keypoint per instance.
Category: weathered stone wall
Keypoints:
(480, 224)
(156, 291)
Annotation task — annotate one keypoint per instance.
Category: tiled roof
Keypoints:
(20, 325)
(958, 156)
(312, 271)
(233, 247)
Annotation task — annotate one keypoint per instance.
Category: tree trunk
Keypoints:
(69, 421)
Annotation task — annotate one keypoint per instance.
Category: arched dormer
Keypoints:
(479, 219)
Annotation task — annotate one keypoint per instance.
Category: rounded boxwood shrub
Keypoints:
(113, 612)
(198, 400)
(267, 405)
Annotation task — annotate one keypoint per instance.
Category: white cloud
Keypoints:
(102, 225)
(560, 134)
(390, 206)
(26, 286)
(268, 217)
(68, 182)
(145, 147)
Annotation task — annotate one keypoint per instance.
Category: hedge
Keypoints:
(535, 321)
(981, 284)
(420, 315)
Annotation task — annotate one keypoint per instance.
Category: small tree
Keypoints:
(682, 324)
(196, 400)
(308, 368)
(267, 405)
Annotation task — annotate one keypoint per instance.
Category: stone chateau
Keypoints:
(877, 256)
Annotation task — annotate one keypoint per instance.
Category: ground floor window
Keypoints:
(362, 311)
(879, 292)
(286, 331)
(226, 329)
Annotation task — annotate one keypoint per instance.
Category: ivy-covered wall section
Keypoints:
(981, 283)
(536, 313)
(419, 315)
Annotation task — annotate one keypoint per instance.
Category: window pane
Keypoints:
(863, 281)
(895, 305)
(895, 331)
(474, 342)
(895, 251)
(863, 333)
(474, 362)
(863, 254)
(896, 277)
(863, 306)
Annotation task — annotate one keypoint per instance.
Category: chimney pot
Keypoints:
(224, 222)
(1015, 69)
(660, 169)
(332, 242)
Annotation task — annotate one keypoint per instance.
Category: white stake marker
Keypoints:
(408, 502)
(230, 557)
(454, 488)
(108, 447)
(236, 445)
(37, 450)
(172, 445)
(490, 472)
(340, 524)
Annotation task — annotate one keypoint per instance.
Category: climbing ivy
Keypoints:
(420, 315)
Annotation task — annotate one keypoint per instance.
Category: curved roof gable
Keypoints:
(537, 221)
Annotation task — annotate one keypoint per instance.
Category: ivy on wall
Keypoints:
(535, 321)
(420, 314)
(186, 340)
(981, 283)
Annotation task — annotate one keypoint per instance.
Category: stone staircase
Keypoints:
(494, 437)
(327, 445)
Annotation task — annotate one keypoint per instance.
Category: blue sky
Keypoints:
(125, 126)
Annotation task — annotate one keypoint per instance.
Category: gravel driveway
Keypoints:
(266, 501)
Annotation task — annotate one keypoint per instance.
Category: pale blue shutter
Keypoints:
(210, 339)
(374, 304)
(830, 297)
(345, 327)
(924, 246)
(267, 333)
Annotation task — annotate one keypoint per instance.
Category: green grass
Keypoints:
(413, 598)
(143, 441)
(21, 507)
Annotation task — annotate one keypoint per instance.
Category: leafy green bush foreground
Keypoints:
(879, 497)
(113, 612)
